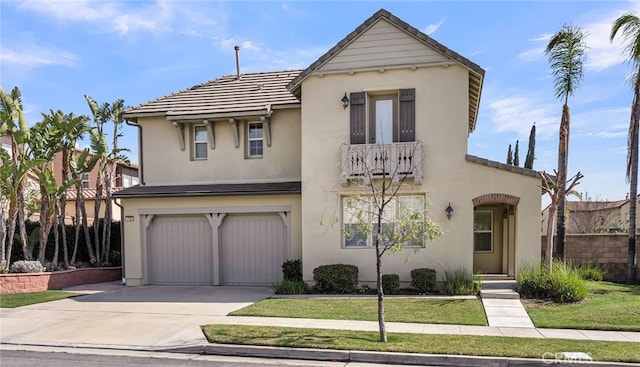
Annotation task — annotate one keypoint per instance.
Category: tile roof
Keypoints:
(235, 189)
(476, 73)
(502, 166)
(592, 206)
(87, 193)
(223, 97)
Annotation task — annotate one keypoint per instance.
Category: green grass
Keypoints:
(13, 300)
(608, 306)
(421, 310)
(419, 343)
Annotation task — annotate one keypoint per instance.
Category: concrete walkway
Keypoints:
(502, 304)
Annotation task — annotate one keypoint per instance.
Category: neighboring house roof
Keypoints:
(225, 97)
(232, 189)
(88, 194)
(476, 73)
(502, 166)
(593, 206)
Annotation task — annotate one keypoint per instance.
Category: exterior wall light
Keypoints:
(449, 211)
(345, 101)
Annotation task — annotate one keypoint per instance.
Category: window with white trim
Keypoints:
(483, 230)
(200, 142)
(360, 220)
(255, 139)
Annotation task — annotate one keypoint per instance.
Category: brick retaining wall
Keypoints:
(607, 250)
(34, 282)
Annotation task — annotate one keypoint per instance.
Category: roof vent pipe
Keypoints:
(237, 48)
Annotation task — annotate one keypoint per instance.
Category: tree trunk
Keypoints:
(106, 229)
(62, 220)
(85, 225)
(44, 209)
(23, 230)
(381, 324)
(632, 276)
(563, 158)
(550, 226)
(96, 220)
(56, 238)
(13, 216)
(3, 231)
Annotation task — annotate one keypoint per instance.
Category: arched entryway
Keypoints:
(494, 223)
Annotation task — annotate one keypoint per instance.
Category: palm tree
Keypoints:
(629, 24)
(72, 129)
(566, 52)
(14, 125)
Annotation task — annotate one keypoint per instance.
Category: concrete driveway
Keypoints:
(114, 315)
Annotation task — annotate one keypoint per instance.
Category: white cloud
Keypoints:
(432, 28)
(249, 45)
(32, 56)
(126, 17)
(518, 113)
(532, 55)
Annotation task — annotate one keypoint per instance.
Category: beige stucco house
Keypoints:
(243, 172)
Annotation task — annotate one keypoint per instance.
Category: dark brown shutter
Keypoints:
(407, 114)
(358, 118)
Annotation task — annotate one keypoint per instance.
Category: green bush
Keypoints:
(292, 270)
(590, 272)
(290, 287)
(423, 280)
(390, 283)
(459, 282)
(562, 283)
(336, 278)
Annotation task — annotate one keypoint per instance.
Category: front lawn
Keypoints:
(608, 306)
(418, 310)
(419, 343)
(13, 300)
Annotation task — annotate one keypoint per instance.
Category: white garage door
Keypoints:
(180, 251)
(253, 248)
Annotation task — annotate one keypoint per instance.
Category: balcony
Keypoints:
(395, 161)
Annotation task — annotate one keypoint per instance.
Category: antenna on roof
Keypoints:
(237, 48)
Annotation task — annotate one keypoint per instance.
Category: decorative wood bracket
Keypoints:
(266, 125)
(180, 128)
(211, 132)
(236, 131)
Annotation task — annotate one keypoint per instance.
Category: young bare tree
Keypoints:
(377, 211)
(550, 186)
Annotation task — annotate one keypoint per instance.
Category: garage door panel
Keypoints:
(253, 249)
(180, 251)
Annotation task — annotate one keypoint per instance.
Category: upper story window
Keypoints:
(483, 231)
(390, 117)
(200, 142)
(85, 181)
(255, 139)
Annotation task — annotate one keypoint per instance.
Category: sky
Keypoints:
(55, 52)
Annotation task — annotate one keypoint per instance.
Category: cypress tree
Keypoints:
(528, 162)
(509, 156)
(516, 156)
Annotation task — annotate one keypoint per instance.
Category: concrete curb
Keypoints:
(353, 356)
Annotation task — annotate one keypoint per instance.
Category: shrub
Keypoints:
(337, 278)
(590, 272)
(561, 283)
(390, 283)
(423, 280)
(292, 270)
(115, 258)
(27, 267)
(287, 286)
(459, 282)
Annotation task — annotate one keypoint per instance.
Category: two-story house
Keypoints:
(240, 173)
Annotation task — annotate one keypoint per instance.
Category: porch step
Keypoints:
(499, 287)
